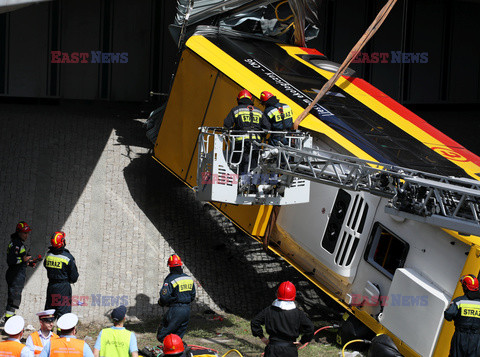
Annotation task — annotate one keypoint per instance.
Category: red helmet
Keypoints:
(286, 291)
(470, 282)
(244, 94)
(174, 261)
(58, 240)
(172, 344)
(265, 96)
(23, 227)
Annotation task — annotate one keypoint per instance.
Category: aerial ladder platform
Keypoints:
(238, 168)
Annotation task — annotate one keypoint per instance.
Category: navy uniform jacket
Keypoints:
(15, 253)
(246, 117)
(177, 289)
(465, 312)
(60, 265)
(280, 116)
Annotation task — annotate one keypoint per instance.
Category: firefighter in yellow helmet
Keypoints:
(465, 313)
(177, 292)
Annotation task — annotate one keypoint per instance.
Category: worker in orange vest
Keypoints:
(12, 346)
(67, 344)
(39, 338)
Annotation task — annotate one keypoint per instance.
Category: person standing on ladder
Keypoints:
(245, 116)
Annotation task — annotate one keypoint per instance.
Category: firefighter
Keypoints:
(38, 339)
(173, 346)
(465, 313)
(284, 322)
(17, 260)
(177, 292)
(61, 271)
(12, 346)
(245, 117)
(280, 116)
(116, 341)
(67, 343)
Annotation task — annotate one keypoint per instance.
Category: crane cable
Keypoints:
(374, 26)
(276, 12)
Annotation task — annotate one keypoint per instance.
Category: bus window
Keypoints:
(386, 251)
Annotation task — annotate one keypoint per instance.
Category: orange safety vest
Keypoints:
(66, 346)
(11, 348)
(37, 342)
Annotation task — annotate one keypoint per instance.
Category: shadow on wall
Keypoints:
(48, 155)
(229, 266)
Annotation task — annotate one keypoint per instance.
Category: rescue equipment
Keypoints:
(282, 175)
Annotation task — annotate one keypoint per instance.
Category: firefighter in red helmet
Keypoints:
(284, 322)
(177, 292)
(245, 117)
(173, 346)
(465, 313)
(61, 272)
(280, 116)
(17, 261)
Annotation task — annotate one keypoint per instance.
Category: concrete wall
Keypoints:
(446, 30)
(139, 28)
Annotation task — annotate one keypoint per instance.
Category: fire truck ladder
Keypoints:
(448, 202)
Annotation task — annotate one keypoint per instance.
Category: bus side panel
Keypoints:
(223, 98)
(177, 137)
(201, 97)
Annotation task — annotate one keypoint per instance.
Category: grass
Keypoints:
(221, 333)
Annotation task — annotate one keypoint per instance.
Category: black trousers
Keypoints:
(16, 281)
(59, 297)
(273, 350)
(174, 321)
(465, 344)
